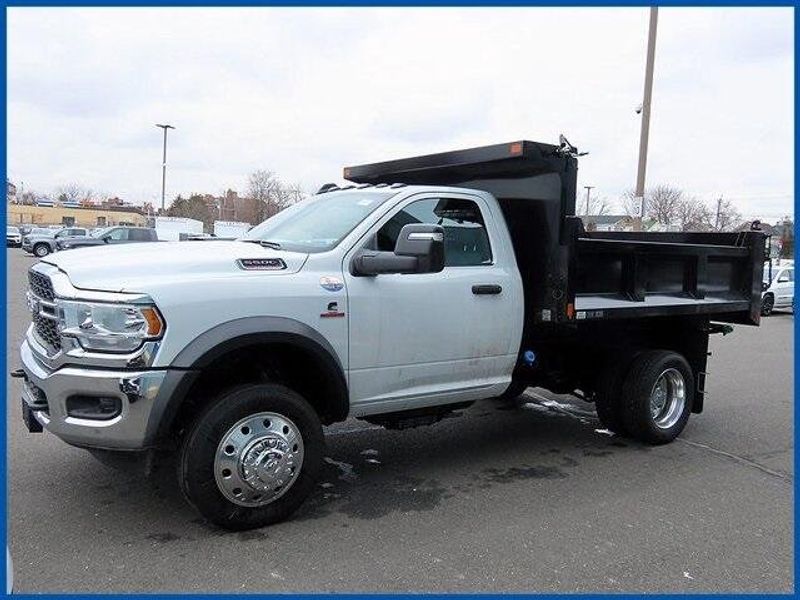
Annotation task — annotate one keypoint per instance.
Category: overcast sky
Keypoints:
(303, 92)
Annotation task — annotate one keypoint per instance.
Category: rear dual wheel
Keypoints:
(649, 399)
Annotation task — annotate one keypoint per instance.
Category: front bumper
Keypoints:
(13, 242)
(144, 395)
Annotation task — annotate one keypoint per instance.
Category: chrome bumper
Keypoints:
(143, 395)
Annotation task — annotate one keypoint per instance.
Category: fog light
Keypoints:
(101, 408)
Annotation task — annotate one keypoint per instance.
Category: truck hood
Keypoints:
(133, 267)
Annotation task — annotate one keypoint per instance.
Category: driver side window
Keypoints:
(466, 241)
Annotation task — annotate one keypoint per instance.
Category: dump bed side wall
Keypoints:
(628, 274)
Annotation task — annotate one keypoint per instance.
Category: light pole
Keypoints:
(164, 164)
(588, 189)
(648, 95)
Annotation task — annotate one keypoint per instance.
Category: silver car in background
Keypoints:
(13, 237)
(778, 287)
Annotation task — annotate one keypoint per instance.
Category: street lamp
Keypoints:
(164, 163)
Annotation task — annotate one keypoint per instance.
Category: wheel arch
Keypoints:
(309, 360)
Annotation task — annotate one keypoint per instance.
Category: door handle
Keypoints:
(480, 290)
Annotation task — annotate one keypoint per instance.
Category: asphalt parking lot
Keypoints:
(534, 498)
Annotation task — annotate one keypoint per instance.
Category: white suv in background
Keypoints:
(778, 287)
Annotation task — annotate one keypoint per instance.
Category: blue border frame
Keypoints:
(374, 3)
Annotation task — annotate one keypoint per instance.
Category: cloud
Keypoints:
(303, 92)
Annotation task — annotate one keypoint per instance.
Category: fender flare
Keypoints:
(247, 331)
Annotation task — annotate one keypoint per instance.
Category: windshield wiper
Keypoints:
(266, 243)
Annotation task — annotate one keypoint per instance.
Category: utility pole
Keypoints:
(588, 188)
(648, 96)
(164, 164)
(719, 209)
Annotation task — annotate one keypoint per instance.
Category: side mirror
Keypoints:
(419, 249)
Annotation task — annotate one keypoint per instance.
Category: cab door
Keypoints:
(434, 338)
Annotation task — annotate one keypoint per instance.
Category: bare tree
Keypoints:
(597, 205)
(73, 192)
(262, 187)
(630, 205)
(693, 215)
(662, 203)
(270, 194)
(727, 217)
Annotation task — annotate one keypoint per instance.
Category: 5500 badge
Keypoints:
(261, 264)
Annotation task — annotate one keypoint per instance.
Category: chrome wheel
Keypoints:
(668, 399)
(258, 459)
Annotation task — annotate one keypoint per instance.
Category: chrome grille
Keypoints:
(44, 319)
(41, 286)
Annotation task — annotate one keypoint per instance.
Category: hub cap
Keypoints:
(258, 459)
(668, 398)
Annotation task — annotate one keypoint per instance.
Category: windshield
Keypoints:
(319, 223)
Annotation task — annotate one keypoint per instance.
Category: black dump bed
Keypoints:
(571, 275)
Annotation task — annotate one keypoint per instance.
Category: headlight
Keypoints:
(109, 327)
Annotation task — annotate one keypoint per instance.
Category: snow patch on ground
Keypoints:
(345, 469)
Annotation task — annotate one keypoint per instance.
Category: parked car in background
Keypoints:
(110, 235)
(778, 287)
(41, 242)
(13, 237)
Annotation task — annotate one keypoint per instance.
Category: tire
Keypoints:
(767, 305)
(653, 377)
(41, 250)
(203, 460)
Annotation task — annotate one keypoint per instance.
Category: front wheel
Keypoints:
(657, 396)
(252, 457)
(41, 250)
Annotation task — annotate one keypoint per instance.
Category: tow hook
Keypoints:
(18, 374)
